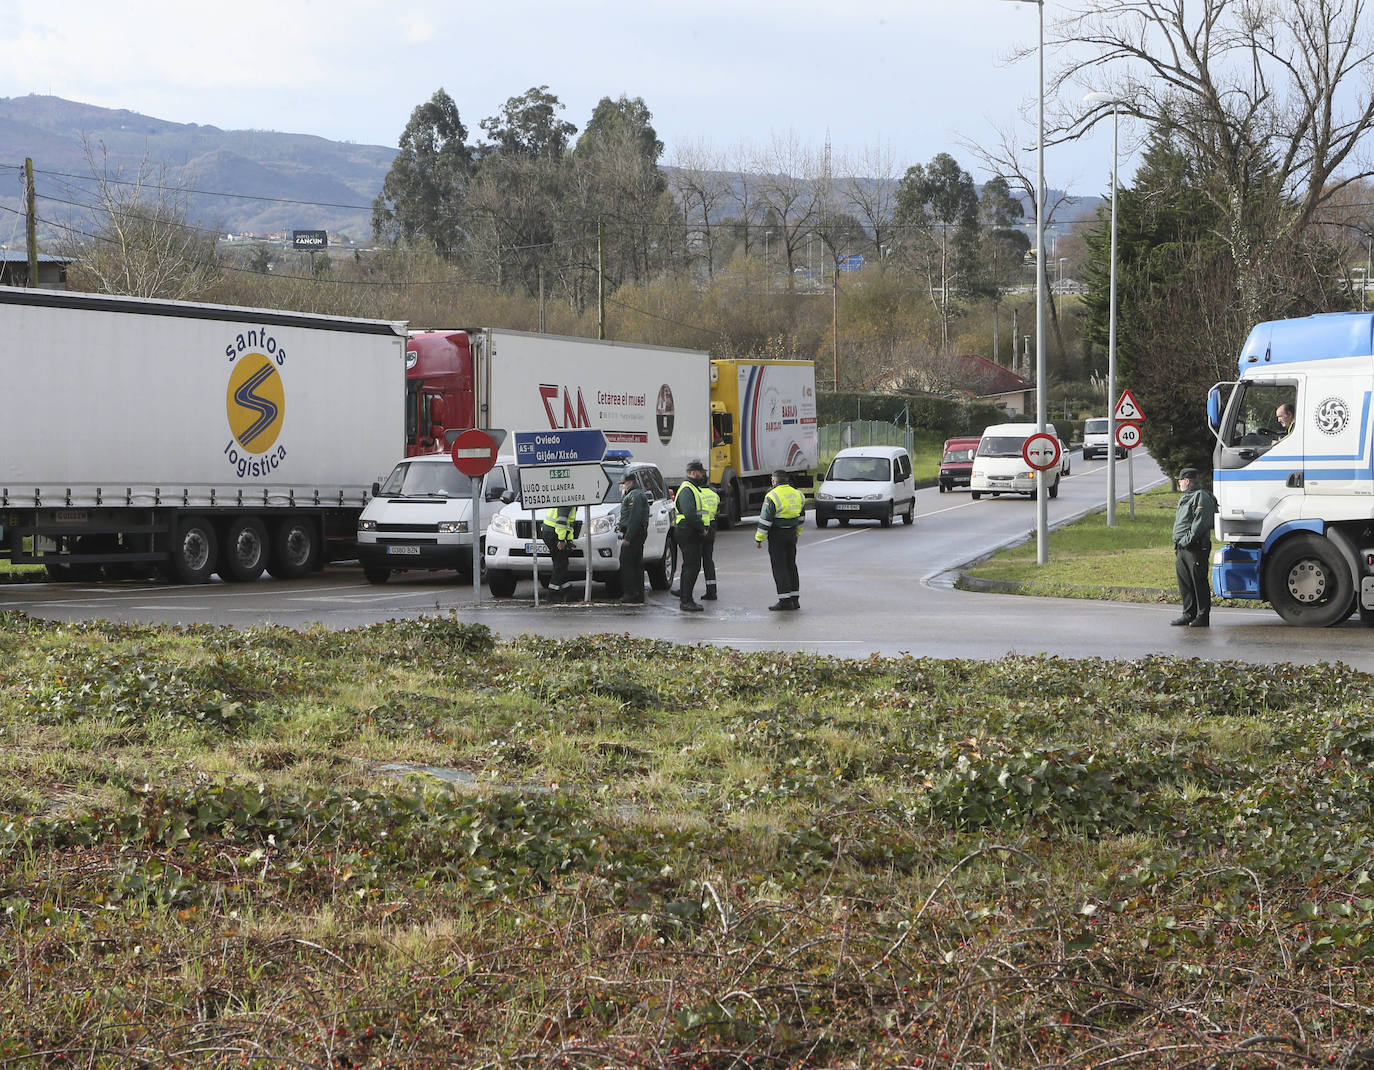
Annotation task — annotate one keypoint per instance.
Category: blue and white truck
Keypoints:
(1293, 470)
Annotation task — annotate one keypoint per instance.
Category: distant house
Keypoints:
(14, 270)
(986, 380)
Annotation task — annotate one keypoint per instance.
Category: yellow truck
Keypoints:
(763, 417)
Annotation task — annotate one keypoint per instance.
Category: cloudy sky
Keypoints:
(907, 76)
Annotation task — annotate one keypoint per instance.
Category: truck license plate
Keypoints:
(403, 551)
(847, 505)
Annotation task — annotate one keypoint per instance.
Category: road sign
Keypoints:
(852, 262)
(474, 452)
(581, 445)
(1041, 451)
(552, 485)
(1128, 435)
(1127, 409)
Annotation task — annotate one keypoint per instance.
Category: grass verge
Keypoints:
(671, 857)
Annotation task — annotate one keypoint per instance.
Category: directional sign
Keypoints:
(474, 452)
(852, 262)
(1127, 409)
(1041, 451)
(580, 445)
(1128, 435)
(552, 485)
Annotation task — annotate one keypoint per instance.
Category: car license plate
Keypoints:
(847, 505)
(403, 551)
(536, 548)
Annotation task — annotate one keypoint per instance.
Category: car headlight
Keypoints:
(1027, 475)
(453, 527)
(502, 524)
(871, 497)
(602, 524)
(367, 525)
(824, 496)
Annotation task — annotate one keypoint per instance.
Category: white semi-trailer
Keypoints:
(194, 439)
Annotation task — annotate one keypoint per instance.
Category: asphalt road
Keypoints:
(865, 590)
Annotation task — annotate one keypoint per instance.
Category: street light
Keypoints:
(1042, 504)
(1115, 102)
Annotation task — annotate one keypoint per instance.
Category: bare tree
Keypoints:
(143, 244)
(869, 191)
(1273, 96)
(789, 194)
(702, 187)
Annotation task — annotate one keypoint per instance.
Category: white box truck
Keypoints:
(190, 438)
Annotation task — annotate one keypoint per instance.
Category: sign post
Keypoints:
(558, 469)
(474, 454)
(1127, 411)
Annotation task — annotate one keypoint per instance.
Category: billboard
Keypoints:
(309, 240)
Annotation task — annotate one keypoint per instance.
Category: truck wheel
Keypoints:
(729, 512)
(1308, 582)
(661, 573)
(243, 553)
(295, 549)
(501, 584)
(376, 575)
(195, 550)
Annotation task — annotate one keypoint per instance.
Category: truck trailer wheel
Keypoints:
(1308, 582)
(195, 550)
(728, 515)
(243, 553)
(295, 549)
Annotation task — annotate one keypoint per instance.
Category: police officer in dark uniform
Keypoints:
(634, 529)
(780, 526)
(557, 533)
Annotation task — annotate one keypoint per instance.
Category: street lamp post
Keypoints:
(1042, 505)
(1107, 98)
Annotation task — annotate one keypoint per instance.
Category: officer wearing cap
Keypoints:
(1193, 550)
(634, 529)
(780, 526)
(690, 531)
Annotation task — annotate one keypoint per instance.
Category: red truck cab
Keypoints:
(956, 464)
(439, 388)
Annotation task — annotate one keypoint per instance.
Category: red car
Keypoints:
(956, 466)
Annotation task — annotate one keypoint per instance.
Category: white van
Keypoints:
(867, 483)
(1096, 439)
(999, 468)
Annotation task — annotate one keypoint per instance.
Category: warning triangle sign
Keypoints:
(1127, 409)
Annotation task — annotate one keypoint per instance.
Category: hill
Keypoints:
(310, 182)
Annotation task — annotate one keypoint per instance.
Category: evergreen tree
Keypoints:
(424, 193)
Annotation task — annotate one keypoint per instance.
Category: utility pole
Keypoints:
(601, 278)
(30, 225)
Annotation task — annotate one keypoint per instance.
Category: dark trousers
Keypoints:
(559, 553)
(632, 568)
(1191, 564)
(782, 555)
(708, 560)
(689, 548)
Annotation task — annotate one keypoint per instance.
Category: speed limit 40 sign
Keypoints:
(1128, 435)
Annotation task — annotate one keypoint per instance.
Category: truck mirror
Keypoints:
(1214, 408)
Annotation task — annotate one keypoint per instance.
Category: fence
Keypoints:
(834, 437)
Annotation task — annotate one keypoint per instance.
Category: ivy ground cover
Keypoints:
(222, 848)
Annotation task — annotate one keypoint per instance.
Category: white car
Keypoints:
(867, 483)
(514, 547)
(421, 517)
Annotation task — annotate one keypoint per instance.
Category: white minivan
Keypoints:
(999, 467)
(867, 483)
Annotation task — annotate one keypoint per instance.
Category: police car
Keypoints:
(514, 549)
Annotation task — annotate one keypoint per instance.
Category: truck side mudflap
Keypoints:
(1236, 572)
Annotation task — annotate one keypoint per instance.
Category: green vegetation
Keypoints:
(671, 857)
